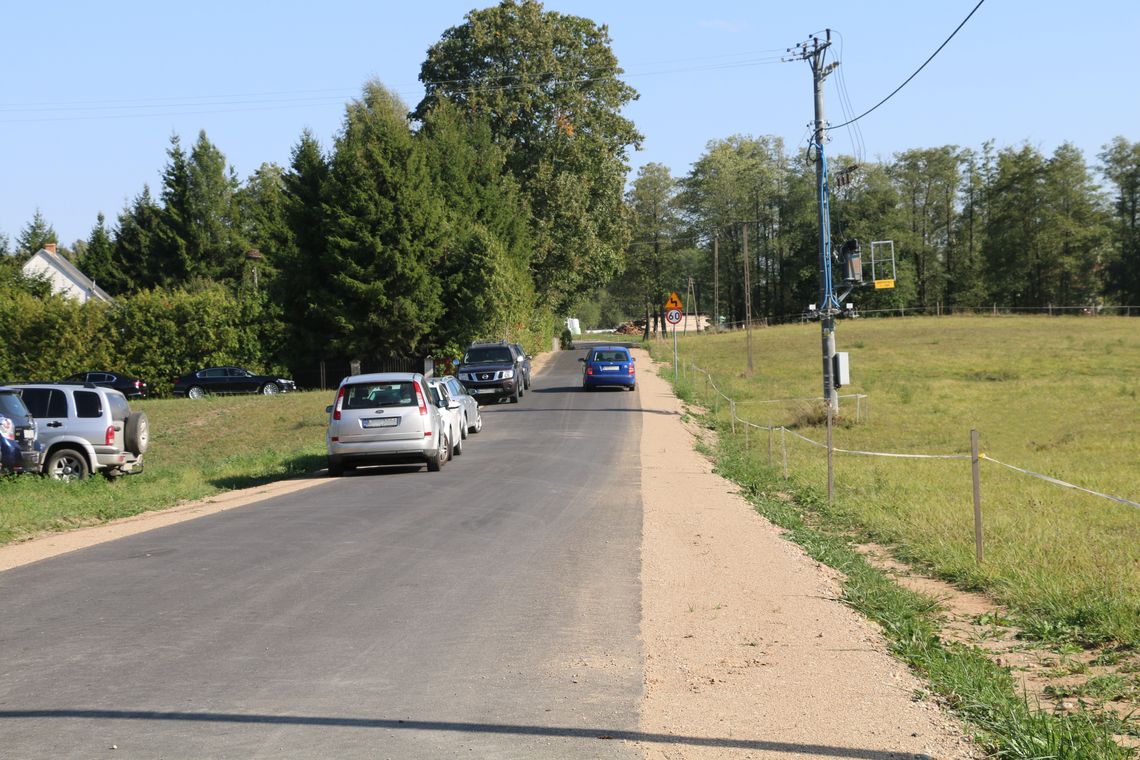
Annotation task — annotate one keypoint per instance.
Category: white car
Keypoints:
(387, 418)
(454, 414)
(473, 417)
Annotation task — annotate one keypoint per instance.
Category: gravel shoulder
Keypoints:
(748, 651)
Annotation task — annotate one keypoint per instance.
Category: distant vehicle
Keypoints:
(86, 429)
(522, 358)
(386, 418)
(608, 366)
(457, 391)
(224, 380)
(131, 387)
(490, 372)
(453, 412)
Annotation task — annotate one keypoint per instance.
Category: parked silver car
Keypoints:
(86, 429)
(386, 418)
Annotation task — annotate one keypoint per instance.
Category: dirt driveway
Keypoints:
(748, 653)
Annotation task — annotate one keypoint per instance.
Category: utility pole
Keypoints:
(748, 297)
(814, 52)
(716, 281)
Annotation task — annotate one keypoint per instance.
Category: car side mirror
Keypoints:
(582, 359)
(328, 409)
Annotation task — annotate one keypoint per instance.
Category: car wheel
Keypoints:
(336, 468)
(478, 422)
(515, 396)
(270, 389)
(442, 454)
(67, 465)
(136, 433)
(464, 429)
(633, 387)
(195, 392)
(457, 447)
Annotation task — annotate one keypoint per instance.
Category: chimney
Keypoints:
(49, 247)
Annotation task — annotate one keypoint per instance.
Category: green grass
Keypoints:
(197, 449)
(1053, 395)
(979, 689)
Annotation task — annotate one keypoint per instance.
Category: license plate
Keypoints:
(477, 391)
(381, 422)
(610, 368)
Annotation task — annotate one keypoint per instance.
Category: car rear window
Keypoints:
(378, 395)
(610, 356)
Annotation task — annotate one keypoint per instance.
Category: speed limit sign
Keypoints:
(673, 316)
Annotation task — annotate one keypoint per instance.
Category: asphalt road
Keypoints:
(490, 610)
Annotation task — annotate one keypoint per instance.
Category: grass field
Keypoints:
(197, 449)
(1055, 396)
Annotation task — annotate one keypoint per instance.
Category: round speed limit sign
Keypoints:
(673, 316)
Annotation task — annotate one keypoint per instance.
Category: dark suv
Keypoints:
(491, 372)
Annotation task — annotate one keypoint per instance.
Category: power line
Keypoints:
(912, 76)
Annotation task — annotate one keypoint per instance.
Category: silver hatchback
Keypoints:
(385, 418)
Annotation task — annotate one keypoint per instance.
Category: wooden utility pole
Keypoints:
(748, 297)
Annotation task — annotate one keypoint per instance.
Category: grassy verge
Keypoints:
(197, 449)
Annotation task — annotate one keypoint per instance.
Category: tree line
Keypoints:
(971, 228)
(484, 212)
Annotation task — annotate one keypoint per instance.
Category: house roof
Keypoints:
(60, 262)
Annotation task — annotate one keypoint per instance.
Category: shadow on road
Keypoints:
(814, 750)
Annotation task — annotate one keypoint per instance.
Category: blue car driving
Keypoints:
(608, 365)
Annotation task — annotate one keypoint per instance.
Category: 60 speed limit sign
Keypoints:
(673, 316)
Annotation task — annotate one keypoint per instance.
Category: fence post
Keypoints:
(747, 425)
(732, 414)
(975, 466)
(769, 444)
(784, 448)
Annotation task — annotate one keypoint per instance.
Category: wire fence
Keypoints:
(810, 314)
(976, 457)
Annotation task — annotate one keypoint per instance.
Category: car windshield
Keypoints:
(377, 395)
(488, 355)
(12, 407)
(610, 356)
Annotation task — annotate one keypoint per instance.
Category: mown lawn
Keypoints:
(197, 449)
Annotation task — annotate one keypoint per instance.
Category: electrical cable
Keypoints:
(920, 68)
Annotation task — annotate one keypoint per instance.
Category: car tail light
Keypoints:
(110, 439)
(631, 369)
(589, 369)
(420, 399)
(339, 403)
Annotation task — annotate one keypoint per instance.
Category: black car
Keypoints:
(229, 380)
(22, 452)
(491, 372)
(131, 387)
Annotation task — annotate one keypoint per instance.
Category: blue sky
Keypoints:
(90, 93)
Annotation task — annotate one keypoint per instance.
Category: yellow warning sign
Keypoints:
(674, 302)
(884, 284)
